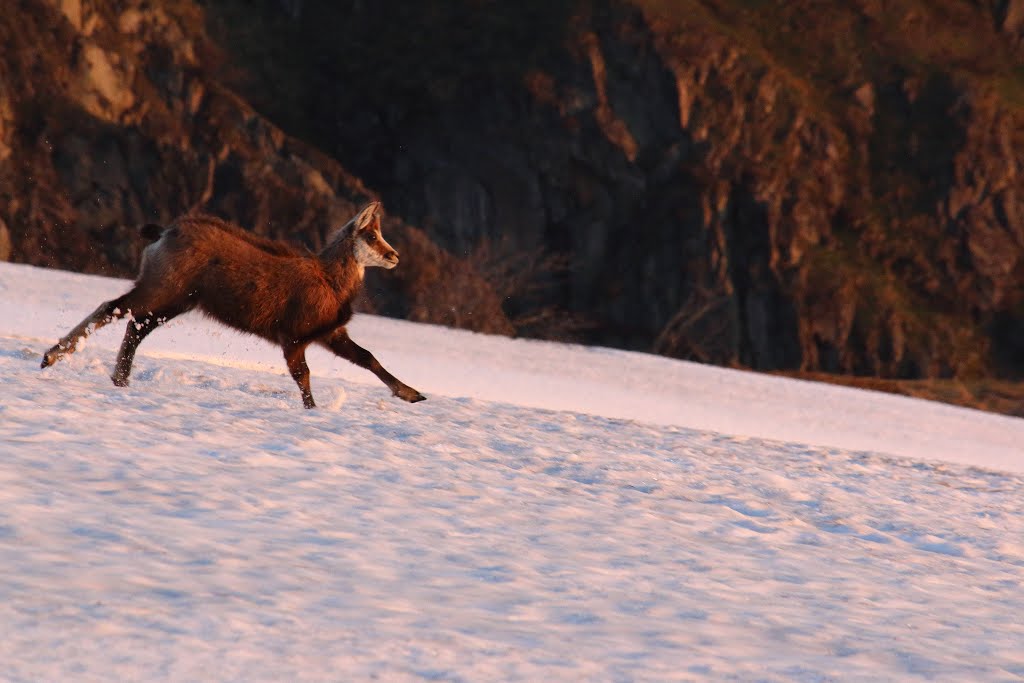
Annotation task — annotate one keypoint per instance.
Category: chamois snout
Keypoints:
(372, 250)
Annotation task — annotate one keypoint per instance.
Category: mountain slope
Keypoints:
(554, 377)
(201, 524)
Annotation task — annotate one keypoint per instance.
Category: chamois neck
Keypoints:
(339, 260)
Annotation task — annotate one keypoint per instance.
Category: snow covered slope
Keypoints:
(550, 513)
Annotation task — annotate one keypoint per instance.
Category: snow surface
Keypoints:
(550, 513)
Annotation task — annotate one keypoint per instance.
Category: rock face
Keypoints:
(724, 193)
(721, 191)
(1009, 16)
(109, 118)
(5, 242)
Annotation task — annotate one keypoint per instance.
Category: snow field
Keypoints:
(518, 525)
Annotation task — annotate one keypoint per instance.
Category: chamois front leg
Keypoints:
(342, 345)
(295, 356)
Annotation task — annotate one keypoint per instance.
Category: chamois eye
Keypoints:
(372, 237)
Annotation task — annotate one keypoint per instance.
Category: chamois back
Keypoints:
(250, 283)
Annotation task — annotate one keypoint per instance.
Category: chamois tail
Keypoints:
(151, 231)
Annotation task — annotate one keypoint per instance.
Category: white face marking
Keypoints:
(368, 255)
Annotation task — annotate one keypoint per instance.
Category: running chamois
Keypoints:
(256, 285)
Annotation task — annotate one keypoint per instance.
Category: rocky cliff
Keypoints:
(805, 185)
(110, 117)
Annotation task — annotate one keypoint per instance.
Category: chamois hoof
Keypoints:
(119, 381)
(411, 395)
(50, 357)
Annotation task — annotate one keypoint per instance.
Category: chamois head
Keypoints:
(368, 246)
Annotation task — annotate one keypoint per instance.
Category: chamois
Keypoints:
(256, 285)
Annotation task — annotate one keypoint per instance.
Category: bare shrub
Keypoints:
(700, 330)
(527, 282)
(435, 286)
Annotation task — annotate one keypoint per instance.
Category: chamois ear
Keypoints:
(369, 216)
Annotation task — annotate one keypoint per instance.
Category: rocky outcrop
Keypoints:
(109, 118)
(1009, 16)
(720, 190)
(719, 198)
(5, 242)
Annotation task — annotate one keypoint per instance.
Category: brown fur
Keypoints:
(260, 286)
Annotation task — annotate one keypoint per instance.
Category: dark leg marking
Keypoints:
(102, 316)
(343, 346)
(136, 331)
(295, 357)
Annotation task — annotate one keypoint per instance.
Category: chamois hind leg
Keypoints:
(342, 345)
(136, 331)
(107, 312)
(295, 357)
